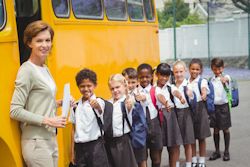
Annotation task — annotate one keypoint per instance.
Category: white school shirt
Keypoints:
(195, 87)
(164, 91)
(148, 102)
(118, 118)
(177, 102)
(45, 75)
(86, 126)
(220, 95)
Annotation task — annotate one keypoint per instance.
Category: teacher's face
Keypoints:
(41, 45)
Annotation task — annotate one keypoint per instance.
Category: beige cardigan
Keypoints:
(32, 100)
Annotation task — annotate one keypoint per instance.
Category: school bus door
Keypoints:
(10, 152)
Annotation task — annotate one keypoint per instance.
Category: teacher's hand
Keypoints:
(57, 122)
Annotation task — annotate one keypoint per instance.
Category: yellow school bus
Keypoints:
(103, 35)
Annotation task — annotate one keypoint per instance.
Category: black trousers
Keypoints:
(91, 154)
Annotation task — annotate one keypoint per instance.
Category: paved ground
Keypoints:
(240, 131)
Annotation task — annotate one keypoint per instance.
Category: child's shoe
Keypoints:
(194, 164)
(214, 156)
(201, 165)
(226, 156)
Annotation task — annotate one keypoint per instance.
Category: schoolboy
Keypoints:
(87, 143)
(221, 118)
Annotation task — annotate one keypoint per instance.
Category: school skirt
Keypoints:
(154, 137)
(221, 118)
(120, 152)
(91, 154)
(171, 134)
(186, 125)
(140, 154)
(200, 121)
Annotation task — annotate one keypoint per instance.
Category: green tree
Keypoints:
(183, 15)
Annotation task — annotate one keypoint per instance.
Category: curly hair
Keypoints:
(86, 74)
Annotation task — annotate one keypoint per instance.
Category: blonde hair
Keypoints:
(180, 62)
(118, 78)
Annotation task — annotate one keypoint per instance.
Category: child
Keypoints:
(170, 128)
(120, 148)
(131, 76)
(183, 111)
(221, 119)
(87, 142)
(200, 116)
(132, 79)
(154, 139)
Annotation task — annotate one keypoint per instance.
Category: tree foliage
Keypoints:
(183, 15)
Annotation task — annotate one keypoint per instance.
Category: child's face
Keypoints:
(179, 72)
(217, 70)
(132, 83)
(194, 70)
(117, 89)
(86, 88)
(145, 77)
(162, 79)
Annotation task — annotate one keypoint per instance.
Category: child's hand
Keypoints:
(72, 102)
(204, 94)
(168, 107)
(129, 103)
(94, 104)
(183, 101)
(224, 79)
(140, 97)
(59, 103)
(190, 94)
(204, 97)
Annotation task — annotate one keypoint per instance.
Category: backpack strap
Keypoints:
(187, 98)
(98, 119)
(199, 85)
(229, 95)
(125, 117)
(153, 98)
(171, 95)
(74, 108)
(152, 95)
(99, 122)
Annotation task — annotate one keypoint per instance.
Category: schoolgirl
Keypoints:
(145, 91)
(119, 147)
(200, 116)
(170, 129)
(221, 119)
(183, 110)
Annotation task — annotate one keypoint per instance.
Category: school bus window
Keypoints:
(149, 9)
(135, 10)
(26, 8)
(61, 8)
(115, 9)
(2, 14)
(91, 9)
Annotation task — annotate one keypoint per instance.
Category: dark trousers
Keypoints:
(91, 154)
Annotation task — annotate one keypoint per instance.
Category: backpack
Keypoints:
(210, 96)
(191, 102)
(106, 125)
(232, 93)
(139, 126)
(153, 99)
